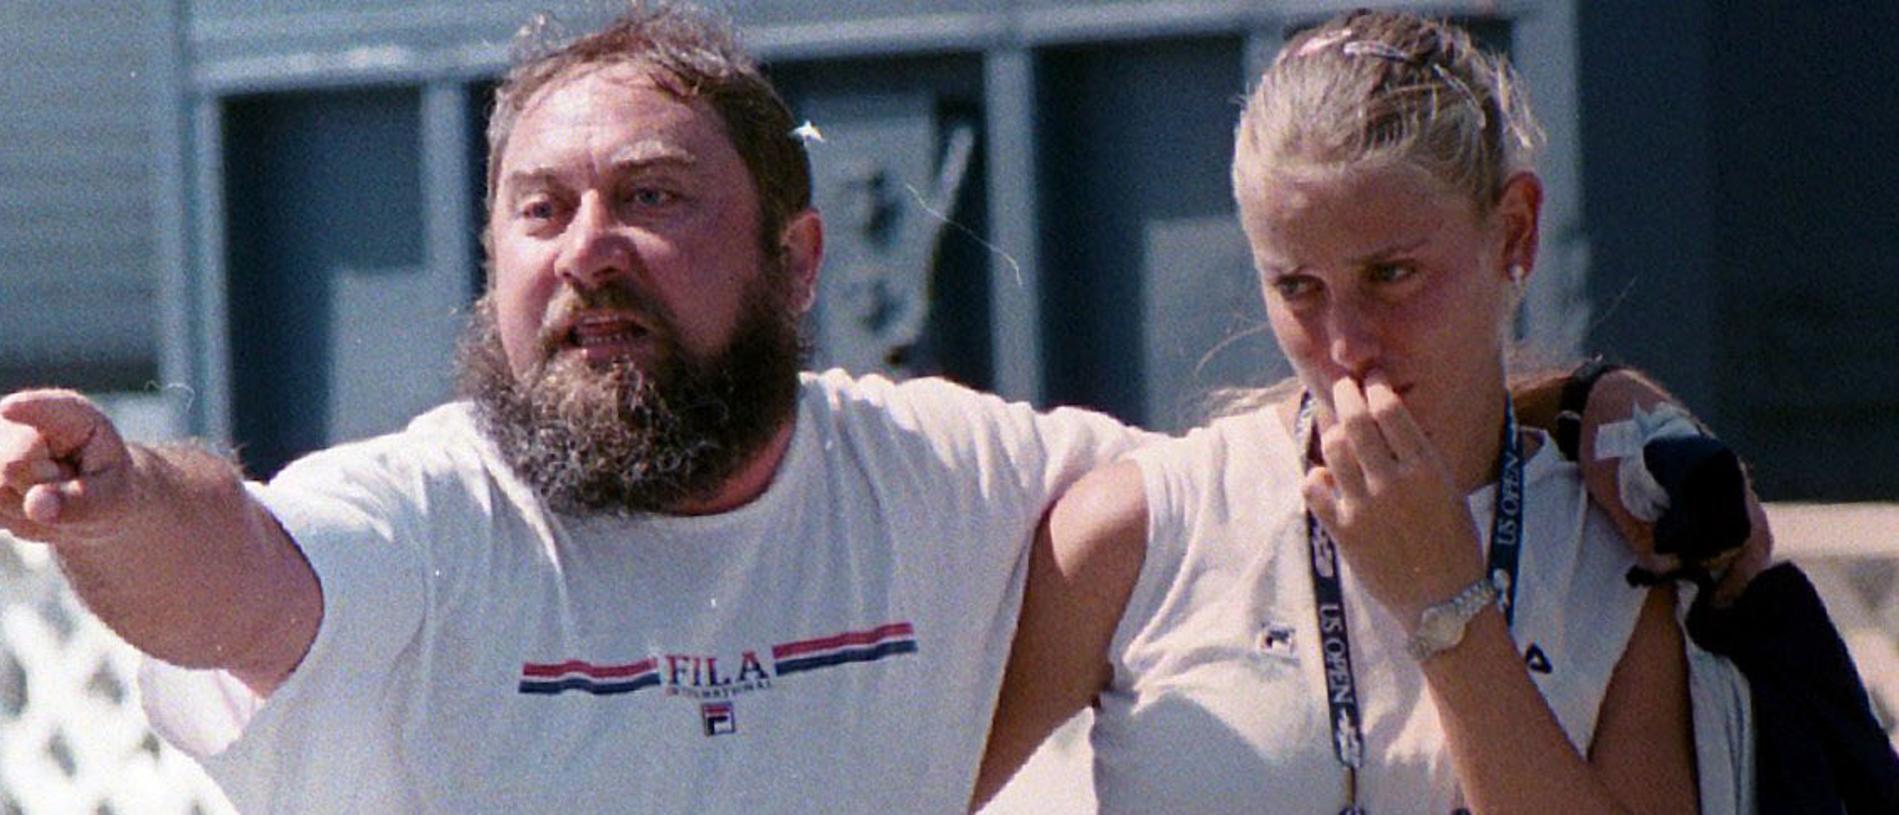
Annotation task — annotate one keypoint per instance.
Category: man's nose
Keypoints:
(597, 249)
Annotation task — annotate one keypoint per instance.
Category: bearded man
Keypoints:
(645, 565)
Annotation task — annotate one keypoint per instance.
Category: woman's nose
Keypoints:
(1352, 339)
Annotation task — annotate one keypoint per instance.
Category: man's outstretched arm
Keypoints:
(164, 544)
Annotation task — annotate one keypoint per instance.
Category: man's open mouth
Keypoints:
(595, 332)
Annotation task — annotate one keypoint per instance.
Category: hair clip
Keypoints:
(1374, 48)
(1322, 42)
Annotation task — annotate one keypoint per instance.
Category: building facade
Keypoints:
(257, 221)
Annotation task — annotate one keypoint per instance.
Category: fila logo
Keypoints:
(718, 718)
(1275, 640)
(707, 676)
(1537, 661)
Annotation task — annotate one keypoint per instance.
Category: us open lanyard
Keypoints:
(1506, 533)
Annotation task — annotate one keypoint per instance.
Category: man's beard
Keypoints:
(624, 439)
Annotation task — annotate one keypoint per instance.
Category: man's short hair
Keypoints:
(691, 54)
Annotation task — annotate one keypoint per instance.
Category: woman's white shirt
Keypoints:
(1218, 701)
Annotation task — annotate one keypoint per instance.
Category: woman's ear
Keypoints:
(1518, 212)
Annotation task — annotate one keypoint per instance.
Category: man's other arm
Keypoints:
(1614, 398)
(164, 544)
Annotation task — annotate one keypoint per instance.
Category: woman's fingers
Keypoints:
(1322, 496)
(1397, 427)
(1356, 421)
(1343, 462)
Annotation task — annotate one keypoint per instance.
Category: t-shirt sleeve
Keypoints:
(1077, 441)
(356, 515)
(1167, 537)
(1014, 453)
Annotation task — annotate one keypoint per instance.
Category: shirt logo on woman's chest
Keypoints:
(1275, 640)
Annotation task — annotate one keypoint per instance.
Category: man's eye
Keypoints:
(651, 197)
(540, 210)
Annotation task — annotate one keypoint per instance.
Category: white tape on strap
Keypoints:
(1641, 494)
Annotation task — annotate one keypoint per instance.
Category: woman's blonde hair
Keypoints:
(1388, 85)
(1381, 86)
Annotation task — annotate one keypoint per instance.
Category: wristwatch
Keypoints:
(1441, 627)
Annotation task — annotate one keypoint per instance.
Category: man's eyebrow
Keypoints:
(532, 178)
(650, 152)
(633, 157)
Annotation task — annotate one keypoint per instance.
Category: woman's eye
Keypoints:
(1391, 272)
(1292, 287)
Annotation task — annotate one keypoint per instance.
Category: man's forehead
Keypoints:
(619, 80)
(649, 122)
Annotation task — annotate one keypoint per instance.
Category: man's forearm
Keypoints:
(197, 572)
(1538, 396)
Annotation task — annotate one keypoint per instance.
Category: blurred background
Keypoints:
(257, 221)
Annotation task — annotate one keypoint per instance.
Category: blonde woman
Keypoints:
(1379, 593)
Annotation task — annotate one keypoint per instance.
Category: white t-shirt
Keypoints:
(1218, 702)
(834, 646)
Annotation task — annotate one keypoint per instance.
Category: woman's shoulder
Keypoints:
(1116, 507)
(1233, 459)
(1252, 435)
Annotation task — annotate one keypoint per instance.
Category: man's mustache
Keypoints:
(617, 295)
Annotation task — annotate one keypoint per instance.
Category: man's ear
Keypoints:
(1518, 212)
(802, 247)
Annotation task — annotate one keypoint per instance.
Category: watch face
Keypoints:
(1436, 632)
(1439, 628)
(1442, 626)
